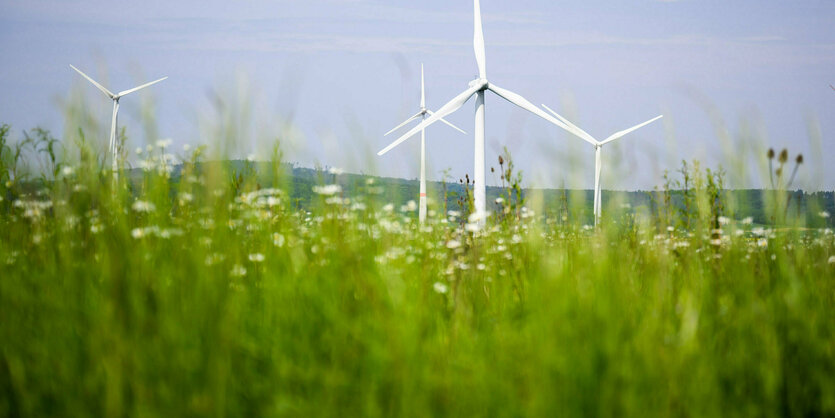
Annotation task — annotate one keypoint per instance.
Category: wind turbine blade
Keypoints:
(445, 121)
(525, 104)
(574, 129)
(126, 92)
(100, 87)
(626, 131)
(478, 42)
(831, 86)
(417, 115)
(447, 109)
(422, 89)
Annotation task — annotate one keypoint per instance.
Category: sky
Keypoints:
(327, 78)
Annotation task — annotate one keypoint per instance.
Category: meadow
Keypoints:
(193, 288)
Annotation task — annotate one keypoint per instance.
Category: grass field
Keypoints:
(215, 295)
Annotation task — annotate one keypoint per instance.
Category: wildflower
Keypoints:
(328, 190)
(67, 171)
(137, 233)
(499, 200)
(388, 208)
(516, 238)
(142, 206)
(278, 240)
(454, 214)
(748, 221)
(440, 288)
(411, 206)
(186, 147)
(832, 260)
(138, 150)
(256, 257)
(723, 220)
(716, 242)
(478, 217)
(163, 143)
(481, 267)
(238, 271)
(186, 197)
(168, 233)
(784, 156)
(670, 229)
(824, 214)
(453, 244)
(369, 181)
(336, 171)
(250, 158)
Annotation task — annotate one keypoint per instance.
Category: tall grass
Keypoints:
(196, 289)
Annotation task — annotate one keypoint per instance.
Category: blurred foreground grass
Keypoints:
(216, 295)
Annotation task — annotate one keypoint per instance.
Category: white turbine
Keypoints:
(477, 88)
(112, 147)
(422, 114)
(598, 145)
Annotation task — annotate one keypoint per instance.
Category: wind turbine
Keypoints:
(422, 114)
(112, 147)
(477, 88)
(598, 146)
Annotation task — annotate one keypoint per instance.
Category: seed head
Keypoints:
(779, 172)
(501, 160)
(784, 156)
(799, 158)
(771, 153)
(492, 170)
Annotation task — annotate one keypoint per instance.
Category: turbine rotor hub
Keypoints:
(479, 82)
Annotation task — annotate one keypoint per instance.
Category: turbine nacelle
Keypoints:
(481, 82)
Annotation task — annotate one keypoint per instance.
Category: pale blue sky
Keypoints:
(346, 71)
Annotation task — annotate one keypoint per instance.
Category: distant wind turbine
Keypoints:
(112, 147)
(598, 145)
(477, 88)
(422, 114)
(833, 88)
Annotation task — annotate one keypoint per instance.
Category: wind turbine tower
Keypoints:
(477, 88)
(113, 145)
(422, 113)
(598, 147)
